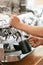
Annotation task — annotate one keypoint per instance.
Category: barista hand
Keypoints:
(15, 22)
(35, 41)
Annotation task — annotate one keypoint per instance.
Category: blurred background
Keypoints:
(19, 6)
(29, 12)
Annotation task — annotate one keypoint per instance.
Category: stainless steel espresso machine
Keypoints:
(13, 45)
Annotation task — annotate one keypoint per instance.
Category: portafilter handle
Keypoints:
(24, 46)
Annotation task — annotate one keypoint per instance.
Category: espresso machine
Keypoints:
(12, 44)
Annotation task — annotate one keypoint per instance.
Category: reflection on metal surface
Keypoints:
(13, 45)
(10, 51)
(12, 48)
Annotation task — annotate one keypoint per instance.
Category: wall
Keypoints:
(33, 3)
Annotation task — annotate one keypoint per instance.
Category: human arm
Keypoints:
(33, 30)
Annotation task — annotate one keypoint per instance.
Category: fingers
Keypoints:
(34, 41)
(34, 44)
(15, 18)
(15, 22)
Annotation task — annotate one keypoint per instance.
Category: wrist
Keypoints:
(21, 26)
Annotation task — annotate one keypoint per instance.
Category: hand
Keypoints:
(35, 41)
(15, 22)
